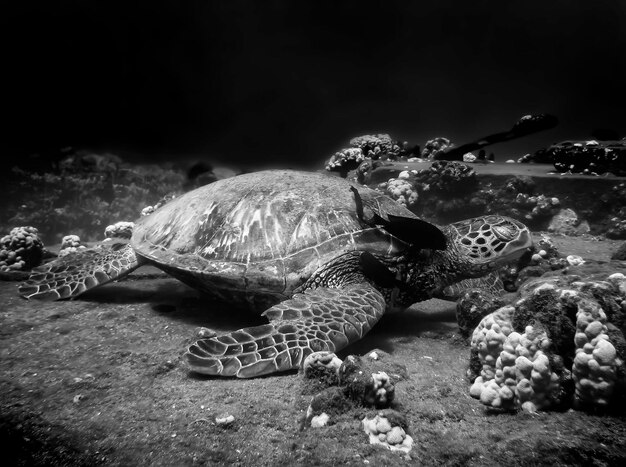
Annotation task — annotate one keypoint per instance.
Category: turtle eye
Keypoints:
(506, 232)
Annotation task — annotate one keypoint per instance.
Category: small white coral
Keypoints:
(70, 244)
(320, 420)
(402, 191)
(574, 260)
(119, 230)
(380, 431)
(147, 211)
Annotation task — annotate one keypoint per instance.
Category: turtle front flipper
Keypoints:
(318, 319)
(75, 273)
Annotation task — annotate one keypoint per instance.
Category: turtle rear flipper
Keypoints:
(73, 274)
(318, 319)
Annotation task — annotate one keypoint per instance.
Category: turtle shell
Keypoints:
(262, 232)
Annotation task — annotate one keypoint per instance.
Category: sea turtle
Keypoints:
(322, 257)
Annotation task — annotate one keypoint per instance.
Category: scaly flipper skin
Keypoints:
(73, 274)
(490, 284)
(318, 319)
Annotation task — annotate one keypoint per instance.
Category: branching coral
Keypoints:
(562, 344)
(21, 249)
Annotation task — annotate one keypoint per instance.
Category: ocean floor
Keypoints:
(100, 380)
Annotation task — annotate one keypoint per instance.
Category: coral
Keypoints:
(21, 249)
(359, 382)
(366, 152)
(322, 366)
(120, 229)
(70, 244)
(402, 191)
(379, 146)
(448, 178)
(469, 158)
(389, 429)
(562, 344)
(540, 207)
(472, 307)
(345, 160)
(435, 146)
(589, 157)
(596, 362)
(365, 384)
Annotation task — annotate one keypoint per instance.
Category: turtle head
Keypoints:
(489, 242)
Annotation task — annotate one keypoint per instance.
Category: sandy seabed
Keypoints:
(100, 380)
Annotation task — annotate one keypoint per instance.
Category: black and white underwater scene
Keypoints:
(283, 233)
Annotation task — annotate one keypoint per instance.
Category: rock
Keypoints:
(323, 366)
(589, 157)
(566, 222)
(620, 253)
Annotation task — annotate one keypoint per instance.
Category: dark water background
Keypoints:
(286, 83)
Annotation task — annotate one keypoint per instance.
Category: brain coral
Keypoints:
(561, 345)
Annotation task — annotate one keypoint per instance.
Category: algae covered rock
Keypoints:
(473, 306)
(358, 383)
(561, 345)
(567, 222)
(620, 253)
